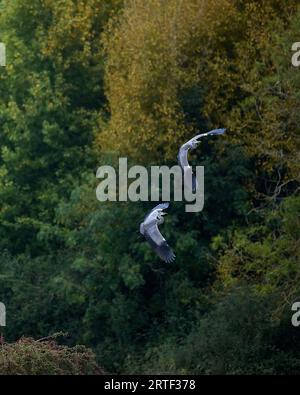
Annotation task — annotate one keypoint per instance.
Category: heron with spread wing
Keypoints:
(149, 229)
(190, 146)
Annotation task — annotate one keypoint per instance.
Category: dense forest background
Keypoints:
(88, 81)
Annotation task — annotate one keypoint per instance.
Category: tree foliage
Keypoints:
(87, 81)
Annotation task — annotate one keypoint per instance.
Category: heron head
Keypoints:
(195, 144)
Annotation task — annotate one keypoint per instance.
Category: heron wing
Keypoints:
(182, 157)
(194, 183)
(214, 132)
(184, 149)
(161, 206)
(190, 180)
(158, 243)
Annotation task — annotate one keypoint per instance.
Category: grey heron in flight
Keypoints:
(190, 146)
(149, 229)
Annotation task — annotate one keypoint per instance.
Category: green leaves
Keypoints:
(88, 80)
(267, 255)
(51, 99)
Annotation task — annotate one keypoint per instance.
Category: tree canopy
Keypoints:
(88, 81)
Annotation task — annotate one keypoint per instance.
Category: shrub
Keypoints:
(45, 357)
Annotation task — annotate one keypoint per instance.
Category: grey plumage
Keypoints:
(190, 146)
(149, 229)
